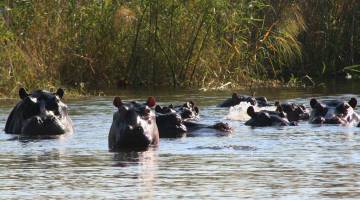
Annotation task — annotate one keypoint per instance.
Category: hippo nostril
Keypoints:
(38, 120)
(138, 130)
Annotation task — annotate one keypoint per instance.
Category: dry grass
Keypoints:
(92, 45)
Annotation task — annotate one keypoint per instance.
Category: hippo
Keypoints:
(178, 121)
(40, 113)
(294, 112)
(170, 125)
(266, 118)
(333, 112)
(187, 111)
(133, 127)
(220, 128)
(164, 109)
(236, 99)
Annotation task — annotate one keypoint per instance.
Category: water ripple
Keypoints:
(303, 162)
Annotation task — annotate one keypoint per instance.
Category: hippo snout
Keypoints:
(135, 129)
(333, 120)
(135, 137)
(318, 120)
(45, 125)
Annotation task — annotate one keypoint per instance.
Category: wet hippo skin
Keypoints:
(39, 113)
(133, 127)
(265, 118)
(178, 121)
(237, 99)
(333, 112)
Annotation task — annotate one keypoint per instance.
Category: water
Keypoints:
(303, 162)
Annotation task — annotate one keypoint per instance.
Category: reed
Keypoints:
(99, 44)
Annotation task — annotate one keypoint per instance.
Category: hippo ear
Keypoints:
(22, 93)
(196, 109)
(302, 107)
(251, 111)
(313, 102)
(158, 109)
(187, 105)
(252, 101)
(277, 103)
(234, 95)
(353, 102)
(192, 103)
(117, 102)
(60, 93)
(151, 102)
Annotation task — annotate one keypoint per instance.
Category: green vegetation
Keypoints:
(97, 44)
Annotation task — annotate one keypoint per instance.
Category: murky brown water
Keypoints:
(303, 162)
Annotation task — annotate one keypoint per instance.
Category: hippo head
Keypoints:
(237, 99)
(133, 127)
(224, 127)
(189, 111)
(164, 110)
(301, 111)
(267, 118)
(39, 113)
(293, 112)
(262, 101)
(332, 112)
(258, 118)
(170, 125)
(251, 100)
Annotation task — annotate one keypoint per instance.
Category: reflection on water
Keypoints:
(303, 162)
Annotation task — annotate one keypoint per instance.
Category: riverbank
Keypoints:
(334, 86)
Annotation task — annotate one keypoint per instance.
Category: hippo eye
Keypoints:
(53, 105)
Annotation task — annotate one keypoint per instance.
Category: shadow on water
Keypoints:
(130, 158)
(26, 139)
(146, 166)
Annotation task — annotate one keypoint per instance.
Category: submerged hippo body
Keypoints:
(266, 118)
(182, 120)
(333, 112)
(237, 99)
(133, 127)
(170, 125)
(217, 129)
(39, 113)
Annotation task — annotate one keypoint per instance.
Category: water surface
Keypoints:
(303, 162)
